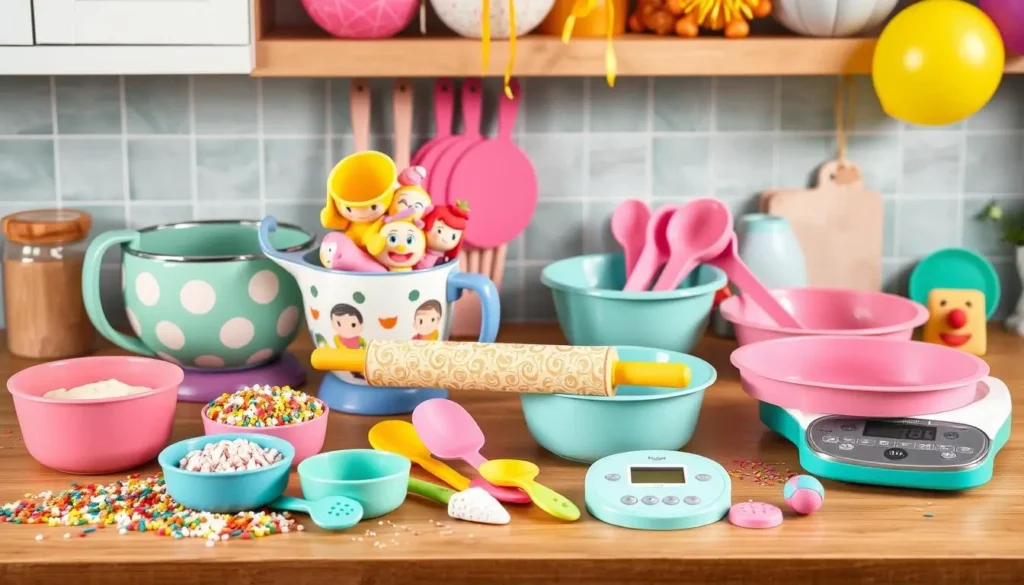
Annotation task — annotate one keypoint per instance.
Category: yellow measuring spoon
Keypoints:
(399, 437)
(521, 474)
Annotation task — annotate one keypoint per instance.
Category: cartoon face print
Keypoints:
(346, 321)
(427, 321)
(442, 237)
(411, 198)
(404, 245)
(327, 250)
(364, 214)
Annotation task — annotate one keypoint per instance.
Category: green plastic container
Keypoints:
(378, 480)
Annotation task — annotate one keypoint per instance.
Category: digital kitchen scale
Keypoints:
(657, 490)
(951, 450)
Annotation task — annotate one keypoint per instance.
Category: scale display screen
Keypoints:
(892, 430)
(657, 475)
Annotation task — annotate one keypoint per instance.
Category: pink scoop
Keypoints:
(629, 222)
(450, 432)
(655, 250)
(859, 376)
(339, 252)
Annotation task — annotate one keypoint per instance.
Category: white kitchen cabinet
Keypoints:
(141, 22)
(15, 22)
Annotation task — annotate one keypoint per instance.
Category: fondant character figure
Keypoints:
(347, 323)
(427, 321)
(444, 227)
(339, 252)
(411, 194)
(400, 243)
(360, 190)
(957, 318)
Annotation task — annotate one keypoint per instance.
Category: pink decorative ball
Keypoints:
(362, 19)
(804, 494)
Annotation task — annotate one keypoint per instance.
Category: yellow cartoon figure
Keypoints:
(400, 243)
(411, 194)
(360, 190)
(957, 319)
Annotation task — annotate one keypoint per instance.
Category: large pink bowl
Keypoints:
(102, 435)
(362, 19)
(307, 437)
(827, 311)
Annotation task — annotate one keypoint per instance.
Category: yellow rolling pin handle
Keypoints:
(651, 374)
(339, 360)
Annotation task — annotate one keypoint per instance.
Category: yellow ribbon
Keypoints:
(582, 9)
(485, 36)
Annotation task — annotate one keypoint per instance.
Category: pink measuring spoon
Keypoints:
(629, 220)
(696, 233)
(450, 432)
(655, 251)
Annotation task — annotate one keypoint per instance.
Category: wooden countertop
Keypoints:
(861, 535)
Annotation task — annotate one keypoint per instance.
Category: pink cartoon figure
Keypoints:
(411, 194)
(444, 227)
(339, 252)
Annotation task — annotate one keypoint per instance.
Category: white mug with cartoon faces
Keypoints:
(349, 309)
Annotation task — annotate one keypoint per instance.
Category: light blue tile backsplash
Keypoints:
(139, 151)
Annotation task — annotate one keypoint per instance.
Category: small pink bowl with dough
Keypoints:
(827, 311)
(97, 435)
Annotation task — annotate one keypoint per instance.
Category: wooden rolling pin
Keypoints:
(499, 367)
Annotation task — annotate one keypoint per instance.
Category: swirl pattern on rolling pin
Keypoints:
(495, 367)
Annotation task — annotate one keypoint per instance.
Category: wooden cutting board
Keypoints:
(839, 225)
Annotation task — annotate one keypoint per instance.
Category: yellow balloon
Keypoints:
(937, 62)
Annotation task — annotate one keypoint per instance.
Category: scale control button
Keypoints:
(649, 500)
(885, 443)
(926, 447)
(865, 441)
(906, 444)
(945, 447)
(613, 477)
(966, 450)
(846, 447)
(849, 439)
(830, 439)
(948, 455)
(848, 427)
(628, 500)
(691, 500)
(951, 435)
(895, 454)
(703, 477)
(670, 500)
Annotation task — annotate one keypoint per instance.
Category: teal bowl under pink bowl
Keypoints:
(229, 491)
(637, 418)
(101, 435)
(593, 309)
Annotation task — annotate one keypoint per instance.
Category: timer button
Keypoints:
(846, 447)
(951, 435)
(691, 500)
(650, 500)
(628, 500)
(613, 477)
(703, 477)
(895, 454)
(848, 428)
(830, 439)
(948, 455)
(670, 500)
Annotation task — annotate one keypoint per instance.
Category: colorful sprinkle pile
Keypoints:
(139, 505)
(763, 474)
(264, 406)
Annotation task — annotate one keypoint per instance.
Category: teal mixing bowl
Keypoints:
(378, 480)
(637, 418)
(593, 309)
(231, 491)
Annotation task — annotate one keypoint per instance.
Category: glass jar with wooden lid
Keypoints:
(42, 273)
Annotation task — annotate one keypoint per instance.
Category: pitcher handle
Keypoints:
(91, 289)
(268, 225)
(490, 303)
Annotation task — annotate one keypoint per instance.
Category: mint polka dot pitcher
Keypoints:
(200, 294)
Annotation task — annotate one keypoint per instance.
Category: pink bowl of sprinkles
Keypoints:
(284, 413)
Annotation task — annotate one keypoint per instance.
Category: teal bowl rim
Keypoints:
(383, 454)
(606, 293)
(645, 397)
(282, 446)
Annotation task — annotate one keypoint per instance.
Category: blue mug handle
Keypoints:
(490, 303)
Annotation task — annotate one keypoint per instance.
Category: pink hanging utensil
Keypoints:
(697, 232)
(444, 165)
(629, 221)
(444, 113)
(450, 432)
(655, 251)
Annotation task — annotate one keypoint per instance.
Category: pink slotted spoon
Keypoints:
(655, 251)
(444, 111)
(450, 432)
(629, 221)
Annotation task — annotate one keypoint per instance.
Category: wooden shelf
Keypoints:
(309, 53)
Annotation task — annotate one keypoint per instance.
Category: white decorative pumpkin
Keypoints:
(465, 16)
(832, 18)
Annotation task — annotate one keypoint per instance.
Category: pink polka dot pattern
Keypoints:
(362, 19)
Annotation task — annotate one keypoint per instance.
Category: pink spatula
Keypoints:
(450, 432)
(629, 222)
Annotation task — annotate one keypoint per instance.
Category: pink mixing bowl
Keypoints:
(362, 19)
(827, 311)
(307, 437)
(102, 435)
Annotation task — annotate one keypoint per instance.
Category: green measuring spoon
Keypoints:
(332, 513)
